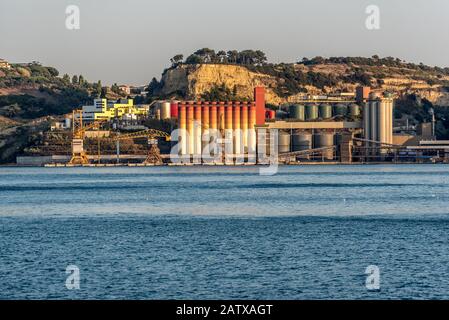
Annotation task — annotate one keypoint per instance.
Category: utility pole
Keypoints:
(117, 148)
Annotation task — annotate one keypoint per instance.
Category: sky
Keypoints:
(129, 42)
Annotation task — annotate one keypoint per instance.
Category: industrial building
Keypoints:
(378, 118)
(322, 129)
(200, 122)
(102, 109)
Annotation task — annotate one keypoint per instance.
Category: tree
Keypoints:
(194, 59)
(98, 88)
(153, 87)
(207, 55)
(222, 57)
(176, 60)
(104, 92)
(66, 78)
(75, 79)
(232, 56)
(81, 80)
(115, 88)
(234, 93)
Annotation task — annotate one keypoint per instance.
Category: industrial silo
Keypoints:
(301, 140)
(311, 112)
(236, 127)
(322, 140)
(174, 109)
(297, 112)
(165, 110)
(281, 114)
(354, 110)
(284, 142)
(340, 110)
(325, 111)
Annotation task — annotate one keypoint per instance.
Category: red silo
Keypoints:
(174, 109)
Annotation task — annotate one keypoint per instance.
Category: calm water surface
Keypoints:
(225, 232)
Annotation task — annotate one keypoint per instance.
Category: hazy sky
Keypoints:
(132, 41)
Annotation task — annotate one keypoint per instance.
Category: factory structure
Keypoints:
(201, 124)
(104, 110)
(312, 130)
(354, 128)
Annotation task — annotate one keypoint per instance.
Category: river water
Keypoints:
(307, 232)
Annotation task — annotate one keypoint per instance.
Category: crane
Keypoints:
(79, 155)
(154, 154)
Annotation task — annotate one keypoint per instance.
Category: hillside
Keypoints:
(31, 96)
(287, 82)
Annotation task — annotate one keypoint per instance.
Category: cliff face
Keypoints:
(195, 80)
(192, 81)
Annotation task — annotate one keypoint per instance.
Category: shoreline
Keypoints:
(111, 165)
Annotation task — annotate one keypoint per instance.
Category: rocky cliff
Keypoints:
(193, 81)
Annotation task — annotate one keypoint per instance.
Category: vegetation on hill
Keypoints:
(294, 78)
(38, 91)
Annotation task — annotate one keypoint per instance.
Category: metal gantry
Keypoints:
(152, 135)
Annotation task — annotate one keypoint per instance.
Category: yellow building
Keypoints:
(104, 110)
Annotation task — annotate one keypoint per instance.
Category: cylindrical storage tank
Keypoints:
(182, 123)
(270, 114)
(174, 109)
(324, 139)
(302, 140)
(311, 112)
(281, 114)
(206, 125)
(325, 111)
(221, 116)
(366, 121)
(340, 110)
(283, 142)
(236, 126)
(297, 112)
(67, 122)
(198, 128)
(228, 133)
(190, 128)
(213, 116)
(213, 131)
(165, 110)
(228, 116)
(252, 133)
(244, 125)
(354, 110)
